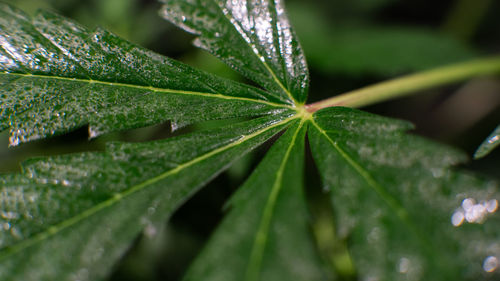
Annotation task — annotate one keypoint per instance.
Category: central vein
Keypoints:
(259, 245)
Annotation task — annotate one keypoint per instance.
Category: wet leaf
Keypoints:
(405, 214)
(489, 144)
(267, 215)
(400, 209)
(105, 199)
(254, 37)
(56, 76)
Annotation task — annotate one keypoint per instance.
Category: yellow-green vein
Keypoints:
(239, 29)
(399, 210)
(257, 253)
(148, 88)
(119, 196)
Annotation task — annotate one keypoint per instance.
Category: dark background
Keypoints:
(349, 44)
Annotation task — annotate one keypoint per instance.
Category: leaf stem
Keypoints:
(410, 84)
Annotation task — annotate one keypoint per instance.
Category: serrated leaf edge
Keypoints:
(261, 58)
(391, 202)
(51, 231)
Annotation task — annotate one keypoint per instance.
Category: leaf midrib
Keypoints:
(387, 198)
(53, 230)
(260, 241)
(148, 88)
(259, 56)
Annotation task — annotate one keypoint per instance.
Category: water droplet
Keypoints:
(14, 140)
(174, 126)
(9, 215)
(32, 198)
(16, 233)
(150, 231)
(476, 213)
(468, 203)
(492, 206)
(404, 265)
(494, 139)
(458, 218)
(93, 133)
(472, 212)
(6, 226)
(490, 264)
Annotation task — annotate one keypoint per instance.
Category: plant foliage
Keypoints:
(400, 211)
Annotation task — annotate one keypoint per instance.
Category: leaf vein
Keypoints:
(240, 30)
(153, 89)
(260, 241)
(398, 209)
(53, 230)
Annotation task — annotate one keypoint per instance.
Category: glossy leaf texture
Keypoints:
(405, 214)
(56, 75)
(491, 142)
(266, 234)
(252, 36)
(72, 217)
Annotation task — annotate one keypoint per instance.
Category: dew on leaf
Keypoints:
(494, 139)
(490, 264)
(16, 233)
(9, 215)
(472, 212)
(457, 218)
(93, 132)
(404, 265)
(6, 226)
(150, 231)
(174, 126)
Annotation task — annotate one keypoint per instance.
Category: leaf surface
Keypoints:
(72, 217)
(405, 213)
(56, 75)
(254, 37)
(265, 235)
(491, 142)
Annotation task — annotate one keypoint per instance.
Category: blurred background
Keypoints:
(348, 44)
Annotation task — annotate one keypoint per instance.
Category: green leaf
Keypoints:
(106, 199)
(369, 48)
(489, 144)
(401, 213)
(405, 213)
(56, 75)
(266, 235)
(254, 37)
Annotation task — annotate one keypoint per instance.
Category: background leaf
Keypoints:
(56, 75)
(254, 37)
(105, 199)
(405, 214)
(344, 47)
